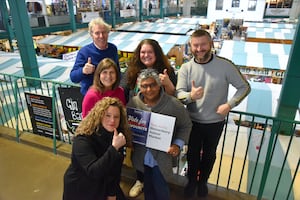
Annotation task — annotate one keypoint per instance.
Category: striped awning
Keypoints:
(270, 25)
(152, 27)
(186, 20)
(49, 68)
(125, 41)
(271, 33)
(256, 54)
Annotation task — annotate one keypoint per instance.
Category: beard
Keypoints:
(203, 59)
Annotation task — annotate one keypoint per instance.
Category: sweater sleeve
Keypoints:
(240, 83)
(76, 74)
(183, 86)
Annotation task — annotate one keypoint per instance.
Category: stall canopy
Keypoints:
(256, 54)
(269, 25)
(125, 41)
(270, 33)
(192, 21)
(49, 68)
(150, 27)
(267, 94)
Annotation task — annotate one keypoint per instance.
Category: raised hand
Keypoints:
(88, 68)
(196, 92)
(166, 82)
(164, 78)
(119, 140)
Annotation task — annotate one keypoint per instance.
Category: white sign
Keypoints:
(128, 13)
(88, 16)
(70, 56)
(160, 132)
(151, 129)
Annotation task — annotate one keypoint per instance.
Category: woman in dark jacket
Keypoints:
(97, 154)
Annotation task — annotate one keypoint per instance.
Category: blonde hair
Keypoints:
(93, 121)
(98, 21)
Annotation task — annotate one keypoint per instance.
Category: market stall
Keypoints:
(125, 41)
(271, 35)
(269, 25)
(49, 68)
(263, 62)
(186, 20)
(150, 27)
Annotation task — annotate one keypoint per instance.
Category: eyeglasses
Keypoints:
(151, 85)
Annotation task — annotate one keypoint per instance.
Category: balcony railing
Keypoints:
(252, 157)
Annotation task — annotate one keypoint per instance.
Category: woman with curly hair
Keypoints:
(97, 153)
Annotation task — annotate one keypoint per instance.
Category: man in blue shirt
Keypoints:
(90, 55)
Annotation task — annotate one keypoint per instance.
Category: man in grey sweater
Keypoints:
(202, 86)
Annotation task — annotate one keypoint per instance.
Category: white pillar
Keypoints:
(295, 10)
(186, 10)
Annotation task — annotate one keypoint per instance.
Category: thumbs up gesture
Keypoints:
(196, 92)
(164, 78)
(88, 68)
(119, 140)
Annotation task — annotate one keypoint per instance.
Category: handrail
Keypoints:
(252, 155)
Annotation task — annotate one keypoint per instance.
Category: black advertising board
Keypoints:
(71, 100)
(40, 111)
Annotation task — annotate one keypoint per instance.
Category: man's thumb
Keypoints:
(193, 83)
(89, 60)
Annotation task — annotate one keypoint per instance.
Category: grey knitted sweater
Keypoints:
(215, 77)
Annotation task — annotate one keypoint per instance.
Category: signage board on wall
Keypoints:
(71, 100)
(40, 111)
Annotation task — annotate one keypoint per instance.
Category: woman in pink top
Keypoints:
(105, 83)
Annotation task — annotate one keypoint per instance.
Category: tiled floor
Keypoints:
(29, 172)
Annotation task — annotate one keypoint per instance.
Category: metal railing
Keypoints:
(252, 157)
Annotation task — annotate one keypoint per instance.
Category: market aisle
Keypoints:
(29, 173)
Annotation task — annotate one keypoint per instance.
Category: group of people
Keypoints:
(197, 97)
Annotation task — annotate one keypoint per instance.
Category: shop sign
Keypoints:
(70, 56)
(88, 16)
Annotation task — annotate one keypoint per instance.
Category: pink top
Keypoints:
(93, 96)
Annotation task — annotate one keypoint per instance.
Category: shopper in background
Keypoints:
(157, 165)
(147, 55)
(90, 55)
(97, 153)
(105, 83)
(203, 85)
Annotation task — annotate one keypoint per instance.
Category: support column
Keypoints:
(113, 14)
(295, 10)
(141, 10)
(72, 15)
(161, 7)
(289, 97)
(24, 37)
(7, 23)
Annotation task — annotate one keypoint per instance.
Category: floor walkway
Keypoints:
(32, 172)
